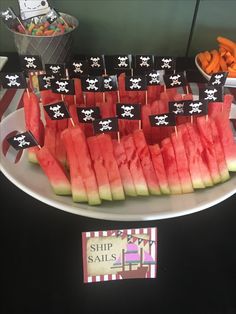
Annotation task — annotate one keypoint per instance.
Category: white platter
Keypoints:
(3, 61)
(32, 181)
(230, 81)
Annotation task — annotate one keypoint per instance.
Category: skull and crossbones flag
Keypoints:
(110, 83)
(88, 114)
(128, 111)
(195, 107)
(58, 70)
(64, 87)
(8, 17)
(15, 80)
(164, 63)
(135, 83)
(165, 119)
(105, 125)
(22, 141)
(45, 81)
(211, 93)
(153, 78)
(174, 80)
(57, 111)
(218, 79)
(77, 68)
(96, 64)
(178, 107)
(144, 62)
(31, 63)
(121, 62)
(92, 83)
(52, 16)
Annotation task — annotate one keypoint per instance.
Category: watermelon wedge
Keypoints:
(159, 167)
(79, 193)
(85, 165)
(54, 171)
(110, 163)
(171, 166)
(135, 166)
(99, 168)
(125, 173)
(146, 162)
(50, 139)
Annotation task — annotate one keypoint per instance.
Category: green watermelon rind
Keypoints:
(61, 188)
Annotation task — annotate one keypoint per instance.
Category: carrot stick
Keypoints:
(203, 60)
(214, 61)
(227, 42)
(223, 64)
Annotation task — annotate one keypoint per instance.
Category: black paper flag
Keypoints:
(128, 111)
(8, 17)
(135, 83)
(22, 141)
(211, 93)
(65, 87)
(175, 80)
(88, 114)
(144, 62)
(92, 83)
(77, 68)
(195, 107)
(218, 79)
(164, 63)
(45, 81)
(58, 70)
(153, 78)
(13, 80)
(177, 107)
(105, 125)
(110, 83)
(121, 62)
(31, 63)
(57, 111)
(165, 119)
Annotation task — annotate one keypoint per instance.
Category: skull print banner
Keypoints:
(92, 83)
(15, 80)
(58, 70)
(135, 83)
(164, 63)
(153, 78)
(8, 17)
(218, 79)
(57, 111)
(45, 81)
(211, 93)
(65, 87)
(128, 111)
(110, 83)
(165, 119)
(174, 80)
(88, 115)
(22, 141)
(31, 63)
(105, 125)
(144, 62)
(77, 68)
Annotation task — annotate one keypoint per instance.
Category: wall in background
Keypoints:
(141, 26)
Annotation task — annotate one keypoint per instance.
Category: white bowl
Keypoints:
(230, 81)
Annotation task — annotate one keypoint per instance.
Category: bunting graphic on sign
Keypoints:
(218, 79)
(15, 80)
(164, 63)
(65, 87)
(135, 83)
(211, 93)
(92, 83)
(128, 111)
(31, 63)
(22, 141)
(174, 80)
(88, 114)
(105, 125)
(165, 119)
(77, 68)
(58, 70)
(57, 111)
(45, 81)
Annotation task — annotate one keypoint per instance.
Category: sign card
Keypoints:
(119, 254)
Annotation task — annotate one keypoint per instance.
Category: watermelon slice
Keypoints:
(110, 163)
(146, 162)
(50, 139)
(209, 149)
(78, 189)
(215, 108)
(85, 165)
(135, 165)
(171, 166)
(60, 151)
(54, 171)
(146, 126)
(125, 173)
(99, 168)
(159, 167)
(182, 163)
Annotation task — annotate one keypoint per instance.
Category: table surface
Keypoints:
(42, 259)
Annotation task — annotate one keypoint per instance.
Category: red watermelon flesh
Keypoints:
(85, 165)
(146, 162)
(54, 171)
(159, 167)
(78, 91)
(60, 151)
(224, 173)
(110, 163)
(193, 157)
(147, 129)
(135, 166)
(153, 93)
(74, 116)
(215, 108)
(79, 193)
(99, 168)
(227, 139)
(50, 139)
(208, 146)
(171, 166)
(182, 163)
(125, 173)
(90, 99)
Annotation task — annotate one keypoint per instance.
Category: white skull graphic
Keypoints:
(127, 111)
(92, 84)
(195, 108)
(30, 62)
(13, 80)
(95, 62)
(175, 80)
(77, 67)
(161, 120)
(210, 94)
(105, 125)
(88, 115)
(107, 82)
(154, 78)
(56, 111)
(217, 79)
(7, 15)
(62, 86)
(135, 83)
(166, 63)
(144, 62)
(55, 69)
(123, 62)
(179, 108)
(21, 141)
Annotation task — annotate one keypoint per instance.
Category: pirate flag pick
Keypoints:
(10, 19)
(211, 93)
(165, 119)
(177, 107)
(129, 112)
(175, 80)
(106, 125)
(44, 82)
(121, 62)
(31, 63)
(164, 63)
(58, 70)
(135, 83)
(92, 84)
(88, 114)
(153, 78)
(58, 111)
(22, 141)
(96, 65)
(77, 68)
(144, 62)
(52, 16)
(15, 80)
(195, 107)
(218, 79)
(63, 87)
